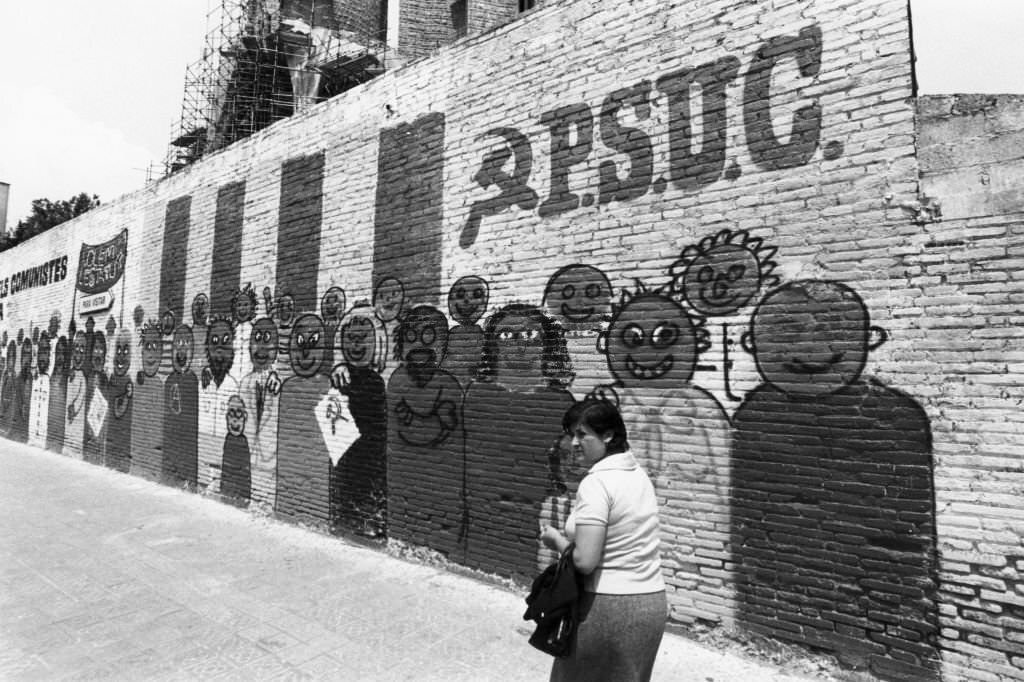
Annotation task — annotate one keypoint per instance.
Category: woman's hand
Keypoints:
(553, 539)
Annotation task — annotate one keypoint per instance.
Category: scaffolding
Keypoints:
(264, 60)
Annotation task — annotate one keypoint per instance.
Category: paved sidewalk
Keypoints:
(106, 576)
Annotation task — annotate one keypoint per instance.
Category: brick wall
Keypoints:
(695, 208)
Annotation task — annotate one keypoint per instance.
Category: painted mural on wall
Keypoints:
(430, 413)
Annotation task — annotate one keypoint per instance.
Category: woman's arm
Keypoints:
(589, 545)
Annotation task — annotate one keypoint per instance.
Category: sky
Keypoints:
(92, 89)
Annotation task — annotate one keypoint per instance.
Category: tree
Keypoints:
(46, 214)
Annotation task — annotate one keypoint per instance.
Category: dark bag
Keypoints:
(553, 603)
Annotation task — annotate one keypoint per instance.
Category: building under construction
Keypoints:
(264, 60)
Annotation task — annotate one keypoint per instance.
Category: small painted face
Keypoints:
(467, 299)
(200, 310)
(811, 338)
(242, 308)
(122, 354)
(580, 296)
(182, 348)
(152, 351)
(332, 307)
(588, 446)
(220, 348)
(99, 351)
(235, 416)
(358, 341)
(652, 342)
(519, 346)
(78, 351)
(43, 351)
(388, 299)
(285, 310)
(424, 337)
(263, 343)
(722, 279)
(306, 346)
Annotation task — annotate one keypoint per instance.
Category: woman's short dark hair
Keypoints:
(601, 416)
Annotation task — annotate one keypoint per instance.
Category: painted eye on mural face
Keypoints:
(506, 335)
(568, 291)
(735, 273)
(428, 336)
(411, 335)
(664, 335)
(705, 274)
(460, 293)
(593, 290)
(313, 339)
(633, 336)
(531, 334)
(478, 293)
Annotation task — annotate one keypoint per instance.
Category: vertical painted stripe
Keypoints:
(408, 221)
(298, 230)
(227, 247)
(175, 257)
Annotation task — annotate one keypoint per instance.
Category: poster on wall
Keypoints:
(100, 267)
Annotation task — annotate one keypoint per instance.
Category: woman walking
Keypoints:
(615, 527)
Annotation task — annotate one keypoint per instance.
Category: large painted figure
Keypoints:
(97, 399)
(833, 505)
(260, 394)
(39, 414)
(303, 462)
(332, 308)
(217, 386)
(512, 412)
(57, 411)
(181, 413)
(236, 477)
(361, 474)
(679, 432)
(425, 438)
(243, 312)
(389, 303)
(120, 392)
(579, 298)
(467, 303)
(148, 405)
(74, 427)
(22, 398)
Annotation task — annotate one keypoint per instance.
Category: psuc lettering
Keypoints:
(572, 129)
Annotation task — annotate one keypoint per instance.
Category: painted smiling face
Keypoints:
(306, 346)
(388, 299)
(220, 349)
(122, 353)
(580, 296)
(152, 350)
(467, 299)
(358, 341)
(263, 343)
(99, 351)
(235, 416)
(182, 348)
(810, 338)
(43, 351)
(723, 272)
(285, 311)
(652, 342)
(200, 310)
(332, 306)
(77, 351)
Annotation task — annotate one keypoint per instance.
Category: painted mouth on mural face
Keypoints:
(181, 359)
(798, 366)
(421, 357)
(646, 372)
(718, 301)
(261, 357)
(355, 354)
(465, 311)
(577, 314)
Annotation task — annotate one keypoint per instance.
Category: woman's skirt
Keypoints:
(617, 639)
